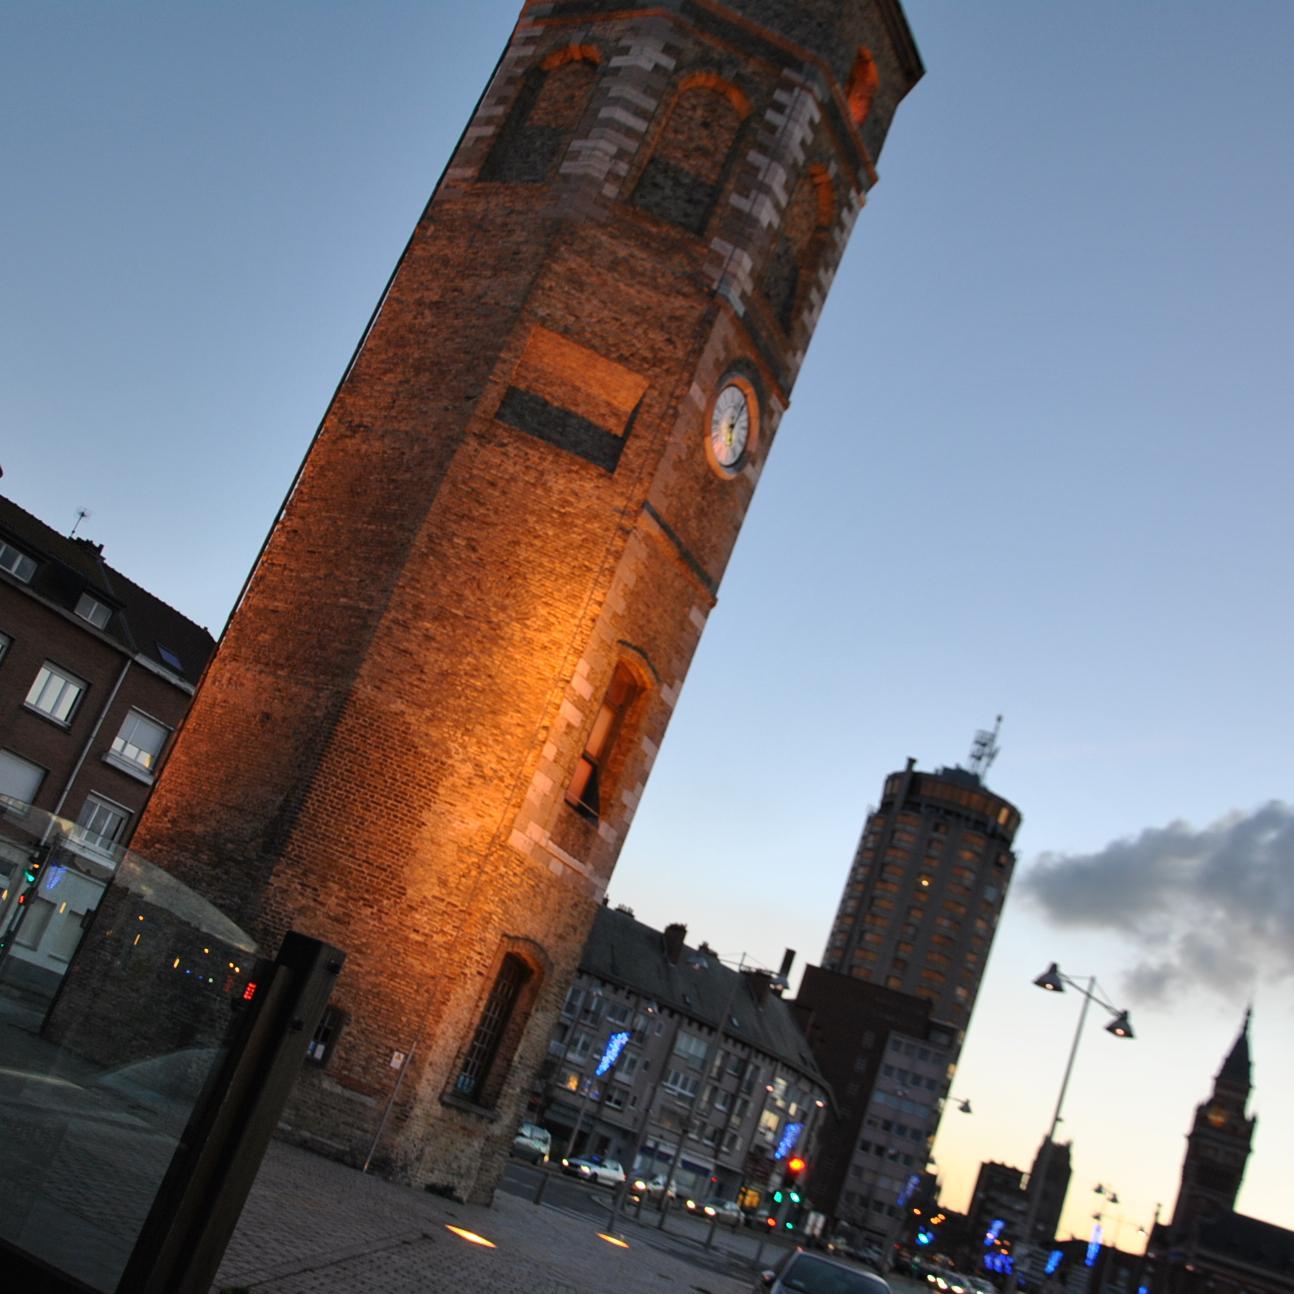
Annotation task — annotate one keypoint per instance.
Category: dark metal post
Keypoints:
(184, 1238)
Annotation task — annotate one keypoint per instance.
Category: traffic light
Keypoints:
(35, 865)
(795, 1167)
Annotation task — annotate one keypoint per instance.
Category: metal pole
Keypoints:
(1038, 1178)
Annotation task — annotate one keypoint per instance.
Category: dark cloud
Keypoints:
(1207, 908)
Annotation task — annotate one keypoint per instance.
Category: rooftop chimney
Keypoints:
(673, 936)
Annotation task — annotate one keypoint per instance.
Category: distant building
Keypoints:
(721, 1108)
(887, 1063)
(998, 1204)
(95, 676)
(1208, 1248)
(891, 1003)
(925, 891)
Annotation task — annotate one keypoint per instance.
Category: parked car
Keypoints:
(654, 1189)
(725, 1212)
(804, 1273)
(533, 1143)
(595, 1169)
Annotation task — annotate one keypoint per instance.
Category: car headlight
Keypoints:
(566, 1163)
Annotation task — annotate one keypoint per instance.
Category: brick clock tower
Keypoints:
(1217, 1146)
(432, 715)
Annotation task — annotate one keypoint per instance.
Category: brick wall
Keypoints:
(510, 495)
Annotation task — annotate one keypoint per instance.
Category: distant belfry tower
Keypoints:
(430, 720)
(1217, 1146)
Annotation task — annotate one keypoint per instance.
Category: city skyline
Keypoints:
(1034, 466)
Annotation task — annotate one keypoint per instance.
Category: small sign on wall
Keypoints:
(397, 1059)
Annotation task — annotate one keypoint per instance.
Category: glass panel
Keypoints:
(103, 1059)
(140, 740)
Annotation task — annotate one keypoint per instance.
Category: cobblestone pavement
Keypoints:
(312, 1226)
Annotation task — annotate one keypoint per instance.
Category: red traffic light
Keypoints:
(795, 1165)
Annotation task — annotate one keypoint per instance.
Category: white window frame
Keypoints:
(93, 610)
(22, 566)
(97, 840)
(55, 694)
(118, 754)
(14, 802)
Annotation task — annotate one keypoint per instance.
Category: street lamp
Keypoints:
(1053, 981)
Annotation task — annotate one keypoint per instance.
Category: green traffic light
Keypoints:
(795, 1197)
(778, 1197)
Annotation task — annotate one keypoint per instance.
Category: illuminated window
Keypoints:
(585, 790)
(138, 744)
(55, 694)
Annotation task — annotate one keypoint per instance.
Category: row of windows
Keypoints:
(56, 693)
(22, 566)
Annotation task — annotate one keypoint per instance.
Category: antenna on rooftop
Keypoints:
(81, 514)
(984, 749)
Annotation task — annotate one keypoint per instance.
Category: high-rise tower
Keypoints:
(429, 722)
(1217, 1146)
(923, 897)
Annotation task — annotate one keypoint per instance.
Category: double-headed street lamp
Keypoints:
(1054, 982)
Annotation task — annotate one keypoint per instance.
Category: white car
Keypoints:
(654, 1188)
(602, 1172)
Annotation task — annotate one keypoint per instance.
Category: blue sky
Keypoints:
(1037, 464)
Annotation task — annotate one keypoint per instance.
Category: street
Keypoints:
(730, 1252)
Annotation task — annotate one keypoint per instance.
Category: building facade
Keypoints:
(925, 890)
(429, 722)
(911, 935)
(96, 675)
(716, 1109)
(888, 1062)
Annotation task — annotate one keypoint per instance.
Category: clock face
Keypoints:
(730, 426)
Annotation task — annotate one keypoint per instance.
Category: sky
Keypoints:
(1037, 464)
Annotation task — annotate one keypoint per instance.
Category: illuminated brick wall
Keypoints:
(509, 497)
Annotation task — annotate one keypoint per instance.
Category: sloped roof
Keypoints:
(1249, 1242)
(141, 623)
(623, 951)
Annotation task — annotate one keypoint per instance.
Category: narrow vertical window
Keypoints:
(484, 1047)
(585, 790)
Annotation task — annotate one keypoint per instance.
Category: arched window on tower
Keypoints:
(500, 1025)
(863, 82)
(693, 152)
(545, 113)
(586, 790)
(800, 243)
